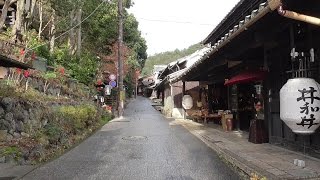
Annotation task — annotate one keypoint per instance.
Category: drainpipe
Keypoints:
(298, 16)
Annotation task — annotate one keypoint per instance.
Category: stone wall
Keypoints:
(70, 88)
(22, 118)
(36, 124)
(36, 131)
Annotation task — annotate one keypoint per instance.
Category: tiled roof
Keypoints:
(243, 7)
(190, 60)
(237, 29)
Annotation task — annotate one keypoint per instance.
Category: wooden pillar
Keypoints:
(210, 109)
(183, 88)
(162, 92)
(183, 93)
(267, 96)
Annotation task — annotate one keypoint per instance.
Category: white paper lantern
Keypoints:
(300, 105)
(187, 102)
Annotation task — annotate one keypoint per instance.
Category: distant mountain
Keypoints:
(168, 57)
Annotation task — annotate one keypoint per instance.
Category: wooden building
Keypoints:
(11, 15)
(172, 92)
(257, 47)
(14, 55)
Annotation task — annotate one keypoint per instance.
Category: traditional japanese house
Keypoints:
(14, 56)
(172, 93)
(11, 13)
(255, 49)
(145, 86)
(11, 54)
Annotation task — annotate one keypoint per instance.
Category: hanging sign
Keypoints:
(108, 89)
(113, 83)
(187, 102)
(112, 77)
(300, 105)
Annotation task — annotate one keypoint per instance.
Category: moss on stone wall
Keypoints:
(39, 131)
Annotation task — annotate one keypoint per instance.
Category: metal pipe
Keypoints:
(298, 16)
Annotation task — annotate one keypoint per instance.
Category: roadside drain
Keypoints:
(135, 138)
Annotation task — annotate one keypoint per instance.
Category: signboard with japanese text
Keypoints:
(300, 105)
(113, 83)
(112, 77)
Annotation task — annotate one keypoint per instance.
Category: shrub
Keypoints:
(7, 89)
(53, 131)
(79, 117)
(12, 151)
(105, 117)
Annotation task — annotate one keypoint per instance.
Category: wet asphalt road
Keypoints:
(143, 145)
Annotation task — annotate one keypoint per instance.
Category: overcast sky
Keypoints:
(170, 24)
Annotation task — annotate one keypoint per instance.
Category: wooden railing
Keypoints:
(16, 52)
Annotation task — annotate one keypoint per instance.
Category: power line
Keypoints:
(171, 21)
(73, 26)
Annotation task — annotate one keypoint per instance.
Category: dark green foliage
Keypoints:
(105, 118)
(167, 57)
(53, 132)
(82, 68)
(129, 85)
(78, 117)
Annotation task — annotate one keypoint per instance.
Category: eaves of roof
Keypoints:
(7, 62)
(162, 83)
(236, 13)
(237, 29)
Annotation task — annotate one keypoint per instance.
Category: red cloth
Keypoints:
(246, 77)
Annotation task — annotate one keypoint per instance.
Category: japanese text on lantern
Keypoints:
(307, 109)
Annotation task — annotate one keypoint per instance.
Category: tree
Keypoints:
(4, 12)
(18, 28)
(54, 28)
(167, 57)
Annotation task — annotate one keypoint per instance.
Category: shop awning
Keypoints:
(246, 77)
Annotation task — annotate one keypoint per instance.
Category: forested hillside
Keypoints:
(167, 57)
(75, 34)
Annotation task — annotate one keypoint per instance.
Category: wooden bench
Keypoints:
(205, 117)
(212, 117)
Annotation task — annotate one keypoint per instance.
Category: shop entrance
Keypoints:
(246, 105)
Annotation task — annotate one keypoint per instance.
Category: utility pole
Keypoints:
(120, 61)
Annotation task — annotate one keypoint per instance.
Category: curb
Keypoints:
(242, 166)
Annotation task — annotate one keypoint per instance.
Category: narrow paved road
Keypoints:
(143, 145)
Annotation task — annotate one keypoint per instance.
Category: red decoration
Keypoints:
(61, 70)
(33, 56)
(18, 70)
(99, 82)
(26, 73)
(21, 52)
